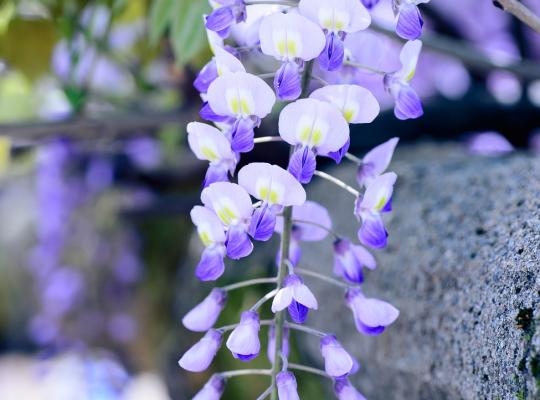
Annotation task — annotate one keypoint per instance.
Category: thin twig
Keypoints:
(365, 67)
(311, 370)
(290, 3)
(227, 328)
(241, 372)
(267, 139)
(337, 182)
(264, 299)
(266, 393)
(304, 328)
(353, 158)
(321, 277)
(521, 12)
(249, 282)
(329, 230)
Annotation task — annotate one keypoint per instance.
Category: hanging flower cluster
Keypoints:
(304, 37)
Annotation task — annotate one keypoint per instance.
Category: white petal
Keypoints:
(282, 299)
(303, 295)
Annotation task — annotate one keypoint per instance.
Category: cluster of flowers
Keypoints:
(236, 101)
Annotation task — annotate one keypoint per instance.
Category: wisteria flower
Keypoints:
(295, 296)
(409, 20)
(276, 188)
(223, 62)
(212, 236)
(243, 342)
(337, 362)
(225, 14)
(232, 205)
(286, 385)
(489, 144)
(212, 390)
(208, 143)
(371, 316)
(369, 4)
(337, 18)
(376, 200)
(200, 355)
(203, 316)
(356, 103)
(291, 38)
(376, 161)
(242, 99)
(350, 259)
(345, 391)
(408, 104)
(313, 127)
(272, 343)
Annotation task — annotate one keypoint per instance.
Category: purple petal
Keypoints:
(376, 161)
(212, 390)
(220, 20)
(208, 114)
(346, 264)
(242, 135)
(287, 386)
(216, 173)
(211, 266)
(408, 104)
(199, 357)
(263, 222)
(489, 144)
(302, 164)
(337, 156)
(410, 22)
(388, 206)
(332, 55)
(206, 76)
(243, 341)
(372, 233)
(287, 82)
(345, 391)
(369, 4)
(337, 362)
(238, 243)
(272, 343)
(298, 312)
(202, 317)
(371, 316)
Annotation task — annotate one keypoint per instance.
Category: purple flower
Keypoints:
(297, 297)
(222, 62)
(337, 18)
(286, 385)
(272, 343)
(199, 357)
(408, 104)
(371, 316)
(376, 161)
(489, 144)
(376, 200)
(225, 15)
(345, 391)
(349, 260)
(314, 127)
(287, 81)
(208, 143)
(212, 236)
(206, 76)
(212, 390)
(337, 362)
(409, 20)
(243, 342)
(232, 205)
(203, 316)
(369, 4)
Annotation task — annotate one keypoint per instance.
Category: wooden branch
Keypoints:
(521, 12)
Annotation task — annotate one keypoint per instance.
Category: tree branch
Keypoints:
(521, 12)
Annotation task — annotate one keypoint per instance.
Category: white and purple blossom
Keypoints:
(212, 390)
(407, 103)
(292, 39)
(376, 200)
(223, 62)
(371, 316)
(295, 296)
(287, 386)
(276, 188)
(199, 357)
(336, 18)
(232, 205)
(242, 100)
(350, 260)
(376, 161)
(314, 127)
(226, 13)
(409, 21)
(243, 342)
(209, 144)
(345, 391)
(203, 316)
(337, 362)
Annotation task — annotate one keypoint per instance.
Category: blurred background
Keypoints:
(97, 250)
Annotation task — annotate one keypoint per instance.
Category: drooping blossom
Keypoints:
(225, 14)
(232, 205)
(311, 223)
(409, 20)
(345, 391)
(295, 296)
(292, 39)
(199, 357)
(376, 200)
(212, 390)
(272, 343)
(203, 316)
(407, 103)
(243, 342)
(489, 144)
(286, 385)
(356, 103)
(371, 316)
(212, 235)
(242, 99)
(337, 362)
(337, 18)
(313, 127)
(223, 62)
(209, 144)
(350, 259)
(276, 188)
(375, 162)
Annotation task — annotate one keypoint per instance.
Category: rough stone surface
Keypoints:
(463, 267)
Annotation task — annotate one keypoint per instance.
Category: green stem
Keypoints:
(241, 372)
(307, 272)
(337, 182)
(311, 370)
(247, 283)
(304, 328)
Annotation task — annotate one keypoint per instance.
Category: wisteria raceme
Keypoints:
(305, 37)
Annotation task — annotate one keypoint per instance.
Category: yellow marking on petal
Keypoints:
(316, 137)
(411, 75)
(234, 105)
(380, 205)
(226, 215)
(244, 104)
(205, 238)
(339, 25)
(291, 48)
(263, 192)
(209, 153)
(281, 47)
(274, 197)
(348, 114)
(304, 134)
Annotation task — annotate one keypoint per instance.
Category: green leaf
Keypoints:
(161, 13)
(188, 36)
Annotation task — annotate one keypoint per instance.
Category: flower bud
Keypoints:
(286, 385)
(345, 391)
(337, 362)
(200, 355)
(203, 316)
(212, 390)
(371, 316)
(243, 341)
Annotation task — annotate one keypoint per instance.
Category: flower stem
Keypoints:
(353, 158)
(323, 277)
(250, 282)
(241, 372)
(226, 328)
(364, 67)
(265, 394)
(266, 139)
(263, 300)
(306, 329)
(272, 2)
(267, 75)
(329, 230)
(311, 370)
(337, 182)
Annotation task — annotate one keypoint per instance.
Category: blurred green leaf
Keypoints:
(188, 35)
(161, 12)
